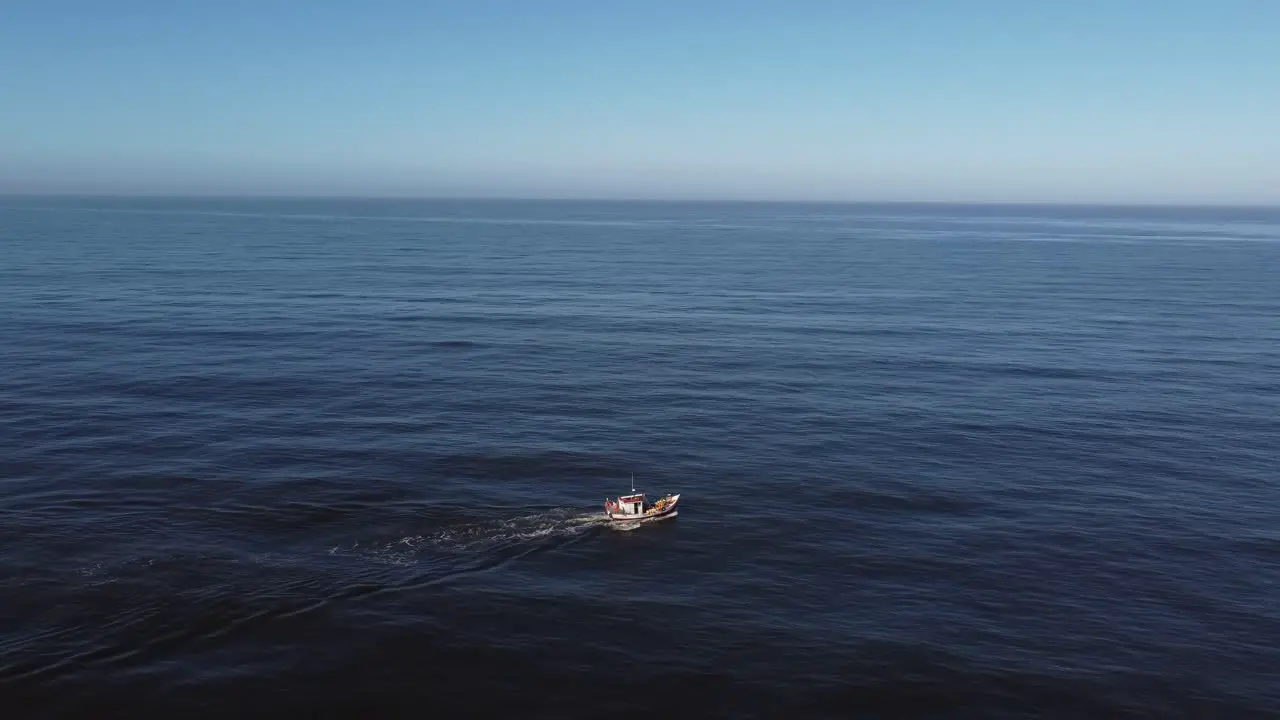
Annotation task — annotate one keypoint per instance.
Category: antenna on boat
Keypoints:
(633, 482)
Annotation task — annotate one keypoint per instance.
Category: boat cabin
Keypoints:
(631, 504)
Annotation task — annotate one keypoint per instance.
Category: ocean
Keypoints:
(349, 458)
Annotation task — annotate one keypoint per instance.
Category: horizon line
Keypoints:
(1273, 205)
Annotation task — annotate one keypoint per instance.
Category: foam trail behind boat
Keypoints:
(477, 537)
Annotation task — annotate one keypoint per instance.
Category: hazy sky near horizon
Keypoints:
(978, 100)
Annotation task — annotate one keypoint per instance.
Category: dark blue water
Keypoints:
(310, 458)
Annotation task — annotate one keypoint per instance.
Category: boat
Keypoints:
(636, 507)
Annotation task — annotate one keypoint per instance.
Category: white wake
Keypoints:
(477, 537)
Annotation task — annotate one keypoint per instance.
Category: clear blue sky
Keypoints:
(984, 100)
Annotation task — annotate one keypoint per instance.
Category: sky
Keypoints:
(1127, 101)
